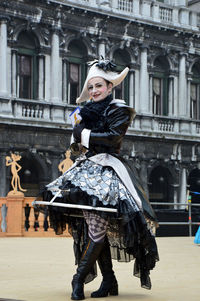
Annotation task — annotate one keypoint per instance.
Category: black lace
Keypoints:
(92, 112)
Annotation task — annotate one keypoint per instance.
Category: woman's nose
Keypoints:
(94, 89)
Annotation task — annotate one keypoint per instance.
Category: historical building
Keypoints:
(44, 45)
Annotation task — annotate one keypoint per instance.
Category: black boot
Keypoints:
(109, 283)
(87, 261)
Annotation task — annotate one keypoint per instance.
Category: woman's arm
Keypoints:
(117, 122)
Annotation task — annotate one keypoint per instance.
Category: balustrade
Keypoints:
(166, 14)
(146, 10)
(166, 125)
(32, 223)
(125, 5)
(33, 111)
(40, 110)
(198, 128)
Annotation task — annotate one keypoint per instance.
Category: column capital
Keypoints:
(183, 54)
(56, 29)
(102, 40)
(4, 19)
(144, 46)
(14, 51)
(41, 55)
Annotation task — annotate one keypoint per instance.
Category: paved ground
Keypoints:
(40, 269)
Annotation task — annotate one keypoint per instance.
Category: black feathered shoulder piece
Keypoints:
(106, 65)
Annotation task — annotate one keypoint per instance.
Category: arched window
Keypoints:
(27, 65)
(160, 86)
(195, 92)
(76, 70)
(194, 187)
(29, 177)
(32, 175)
(122, 59)
(160, 189)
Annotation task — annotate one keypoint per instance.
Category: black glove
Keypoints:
(77, 132)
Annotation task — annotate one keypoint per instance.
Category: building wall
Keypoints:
(160, 44)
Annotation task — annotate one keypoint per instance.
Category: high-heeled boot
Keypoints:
(87, 261)
(109, 285)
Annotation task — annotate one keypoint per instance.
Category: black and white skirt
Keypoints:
(129, 231)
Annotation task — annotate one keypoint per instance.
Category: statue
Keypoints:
(15, 168)
(66, 163)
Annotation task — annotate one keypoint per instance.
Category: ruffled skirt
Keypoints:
(129, 232)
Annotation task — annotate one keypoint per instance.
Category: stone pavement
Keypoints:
(40, 269)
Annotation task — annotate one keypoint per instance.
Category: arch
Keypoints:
(160, 185)
(195, 70)
(81, 44)
(34, 173)
(27, 39)
(121, 57)
(194, 63)
(194, 186)
(161, 63)
(38, 36)
(77, 48)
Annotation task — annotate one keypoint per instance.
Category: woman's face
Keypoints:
(98, 88)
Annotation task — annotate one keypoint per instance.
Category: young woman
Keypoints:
(100, 177)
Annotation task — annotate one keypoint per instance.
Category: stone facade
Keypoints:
(43, 49)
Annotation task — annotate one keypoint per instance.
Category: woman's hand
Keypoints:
(77, 132)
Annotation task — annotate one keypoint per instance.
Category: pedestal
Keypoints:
(15, 202)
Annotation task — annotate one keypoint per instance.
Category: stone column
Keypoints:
(47, 77)
(3, 58)
(14, 73)
(182, 103)
(175, 195)
(102, 48)
(41, 77)
(55, 67)
(64, 80)
(131, 89)
(171, 96)
(137, 90)
(183, 188)
(57, 110)
(175, 96)
(144, 83)
(188, 94)
(3, 174)
(151, 93)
